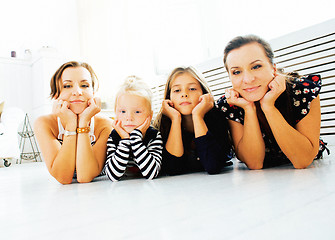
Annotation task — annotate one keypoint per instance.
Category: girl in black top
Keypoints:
(194, 131)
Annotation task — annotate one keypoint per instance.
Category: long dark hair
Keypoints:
(284, 101)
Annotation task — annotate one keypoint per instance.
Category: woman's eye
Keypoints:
(193, 89)
(257, 66)
(236, 72)
(122, 111)
(66, 86)
(137, 111)
(85, 85)
(176, 90)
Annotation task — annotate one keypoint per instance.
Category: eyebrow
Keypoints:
(177, 85)
(249, 63)
(84, 80)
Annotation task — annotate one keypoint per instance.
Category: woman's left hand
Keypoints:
(94, 107)
(206, 103)
(277, 86)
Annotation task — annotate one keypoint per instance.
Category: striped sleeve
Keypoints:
(117, 158)
(148, 158)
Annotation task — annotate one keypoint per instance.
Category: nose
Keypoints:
(129, 116)
(184, 93)
(248, 77)
(77, 91)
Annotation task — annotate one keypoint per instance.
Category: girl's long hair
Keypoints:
(162, 122)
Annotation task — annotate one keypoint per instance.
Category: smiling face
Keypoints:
(132, 111)
(76, 88)
(250, 71)
(185, 93)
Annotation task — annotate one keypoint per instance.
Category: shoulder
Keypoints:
(306, 85)
(46, 124)
(303, 91)
(102, 124)
(153, 133)
(231, 112)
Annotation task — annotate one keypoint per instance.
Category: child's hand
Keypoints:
(144, 126)
(94, 107)
(169, 110)
(62, 110)
(234, 98)
(119, 129)
(277, 86)
(206, 103)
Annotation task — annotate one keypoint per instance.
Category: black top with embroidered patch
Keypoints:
(301, 91)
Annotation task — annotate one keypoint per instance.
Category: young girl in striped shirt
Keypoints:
(133, 147)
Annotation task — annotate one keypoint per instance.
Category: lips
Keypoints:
(251, 89)
(76, 101)
(184, 103)
(129, 126)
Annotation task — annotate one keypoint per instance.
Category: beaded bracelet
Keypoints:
(83, 130)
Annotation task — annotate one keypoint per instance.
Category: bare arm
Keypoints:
(247, 139)
(91, 159)
(206, 103)
(300, 144)
(174, 144)
(59, 159)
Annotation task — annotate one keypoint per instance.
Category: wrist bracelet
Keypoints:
(83, 130)
(69, 133)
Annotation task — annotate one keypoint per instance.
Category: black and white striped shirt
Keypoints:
(145, 153)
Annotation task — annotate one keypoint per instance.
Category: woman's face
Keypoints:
(76, 88)
(250, 71)
(185, 93)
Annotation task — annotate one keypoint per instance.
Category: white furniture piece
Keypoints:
(11, 118)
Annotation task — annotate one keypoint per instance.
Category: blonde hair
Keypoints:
(135, 86)
(176, 72)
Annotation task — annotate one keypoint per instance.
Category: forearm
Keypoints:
(297, 147)
(87, 166)
(251, 148)
(63, 166)
(117, 159)
(174, 144)
(211, 153)
(200, 127)
(148, 158)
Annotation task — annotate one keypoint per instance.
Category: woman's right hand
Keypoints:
(169, 110)
(234, 98)
(62, 110)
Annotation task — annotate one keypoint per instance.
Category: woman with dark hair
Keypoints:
(194, 131)
(274, 117)
(73, 138)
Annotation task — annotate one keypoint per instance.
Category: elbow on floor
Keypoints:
(255, 166)
(84, 179)
(213, 171)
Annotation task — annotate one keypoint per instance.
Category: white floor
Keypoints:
(279, 203)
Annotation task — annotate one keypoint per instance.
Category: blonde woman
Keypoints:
(73, 138)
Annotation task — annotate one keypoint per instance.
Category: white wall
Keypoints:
(34, 25)
(150, 37)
